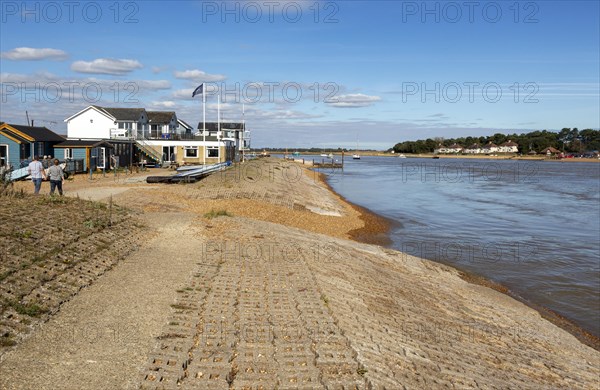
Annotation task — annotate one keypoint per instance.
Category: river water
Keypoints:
(532, 226)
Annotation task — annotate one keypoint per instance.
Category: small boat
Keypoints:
(330, 155)
(436, 157)
(324, 155)
(356, 156)
(401, 156)
(296, 153)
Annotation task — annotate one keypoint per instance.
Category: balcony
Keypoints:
(157, 135)
(120, 134)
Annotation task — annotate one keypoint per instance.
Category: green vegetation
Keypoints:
(567, 140)
(29, 309)
(217, 213)
(178, 306)
(7, 341)
(325, 299)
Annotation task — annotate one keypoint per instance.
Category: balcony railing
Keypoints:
(120, 134)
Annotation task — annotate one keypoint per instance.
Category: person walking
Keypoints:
(57, 177)
(36, 170)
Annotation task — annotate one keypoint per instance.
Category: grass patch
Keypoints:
(30, 309)
(23, 234)
(171, 336)
(178, 306)
(217, 213)
(6, 274)
(7, 342)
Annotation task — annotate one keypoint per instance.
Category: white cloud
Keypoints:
(183, 94)
(32, 54)
(164, 104)
(153, 84)
(158, 69)
(199, 76)
(353, 100)
(106, 66)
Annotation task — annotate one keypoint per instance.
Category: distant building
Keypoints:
(452, 149)
(550, 151)
(18, 144)
(473, 149)
(91, 153)
(509, 147)
(184, 128)
(231, 131)
(490, 147)
(118, 126)
(137, 135)
(161, 124)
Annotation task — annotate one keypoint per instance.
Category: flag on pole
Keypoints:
(199, 90)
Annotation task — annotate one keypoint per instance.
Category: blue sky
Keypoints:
(385, 71)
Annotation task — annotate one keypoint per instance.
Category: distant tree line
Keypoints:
(567, 140)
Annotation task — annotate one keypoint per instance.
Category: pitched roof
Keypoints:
(184, 123)
(510, 143)
(474, 146)
(39, 134)
(455, 146)
(550, 149)
(160, 116)
(490, 145)
(122, 114)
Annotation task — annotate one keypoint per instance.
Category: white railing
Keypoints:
(120, 134)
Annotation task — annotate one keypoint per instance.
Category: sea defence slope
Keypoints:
(270, 292)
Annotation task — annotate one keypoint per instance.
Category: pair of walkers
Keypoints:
(38, 174)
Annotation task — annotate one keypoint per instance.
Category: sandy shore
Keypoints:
(253, 278)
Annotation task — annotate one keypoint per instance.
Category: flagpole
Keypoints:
(243, 133)
(203, 126)
(219, 124)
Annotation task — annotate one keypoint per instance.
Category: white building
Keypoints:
(95, 123)
(509, 147)
(452, 149)
(473, 149)
(490, 147)
(150, 136)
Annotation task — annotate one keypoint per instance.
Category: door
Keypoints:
(102, 158)
(168, 153)
(3, 155)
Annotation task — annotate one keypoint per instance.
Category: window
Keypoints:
(191, 152)
(125, 125)
(39, 146)
(212, 151)
(68, 153)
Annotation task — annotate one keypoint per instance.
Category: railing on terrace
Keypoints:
(120, 134)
